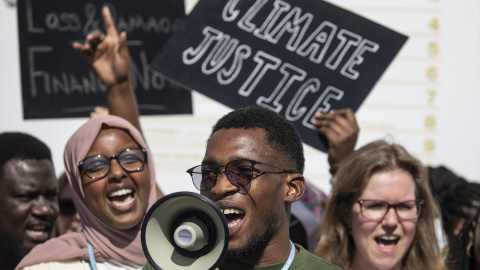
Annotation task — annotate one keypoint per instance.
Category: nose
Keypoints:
(117, 173)
(223, 185)
(390, 219)
(45, 207)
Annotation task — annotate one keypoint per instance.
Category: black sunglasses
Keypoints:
(239, 172)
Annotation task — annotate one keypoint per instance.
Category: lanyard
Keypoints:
(290, 257)
(93, 263)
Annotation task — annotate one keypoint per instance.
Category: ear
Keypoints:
(295, 187)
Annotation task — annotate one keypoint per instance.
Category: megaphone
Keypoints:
(184, 231)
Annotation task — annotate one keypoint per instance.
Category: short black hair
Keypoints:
(282, 135)
(17, 145)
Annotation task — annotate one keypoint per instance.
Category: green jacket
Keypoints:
(303, 261)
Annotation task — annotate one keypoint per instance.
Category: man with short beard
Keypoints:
(246, 144)
(252, 170)
(28, 201)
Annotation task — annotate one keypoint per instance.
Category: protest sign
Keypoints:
(58, 82)
(294, 57)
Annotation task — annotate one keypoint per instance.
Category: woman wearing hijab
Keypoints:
(113, 180)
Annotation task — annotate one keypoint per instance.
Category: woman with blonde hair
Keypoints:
(381, 214)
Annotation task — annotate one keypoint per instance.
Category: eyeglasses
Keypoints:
(374, 210)
(239, 172)
(66, 207)
(98, 166)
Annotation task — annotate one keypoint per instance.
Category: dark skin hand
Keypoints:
(108, 54)
(341, 130)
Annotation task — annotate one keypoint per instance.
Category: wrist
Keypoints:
(120, 84)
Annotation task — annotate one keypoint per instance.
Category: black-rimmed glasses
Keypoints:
(239, 172)
(131, 160)
(375, 210)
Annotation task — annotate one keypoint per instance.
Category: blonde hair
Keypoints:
(337, 246)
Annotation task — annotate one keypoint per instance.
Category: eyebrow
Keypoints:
(408, 200)
(130, 147)
(213, 161)
(29, 189)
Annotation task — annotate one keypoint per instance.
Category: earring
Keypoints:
(469, 249)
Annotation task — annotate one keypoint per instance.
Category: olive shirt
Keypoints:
(303, 261)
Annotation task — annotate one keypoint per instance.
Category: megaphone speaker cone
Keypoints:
(185, 231)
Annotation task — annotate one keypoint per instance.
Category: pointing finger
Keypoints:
(109, 25)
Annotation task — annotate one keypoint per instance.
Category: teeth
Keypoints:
(37, 233)
(125, 203)
(120, 192)
(38, 228)
(388, 237)
(233, 223)
(232, 211)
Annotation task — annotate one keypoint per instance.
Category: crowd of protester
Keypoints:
(380, 214)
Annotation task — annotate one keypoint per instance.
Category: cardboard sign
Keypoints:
(58, 82)
(295, 57)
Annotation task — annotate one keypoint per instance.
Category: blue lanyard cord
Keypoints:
(93, 263)
(290, 257)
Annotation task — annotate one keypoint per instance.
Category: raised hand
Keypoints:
(108, 52)
(108, 55)
(341, 130)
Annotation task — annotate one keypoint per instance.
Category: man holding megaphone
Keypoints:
(252, 170)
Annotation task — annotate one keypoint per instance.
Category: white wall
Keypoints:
(435, 117)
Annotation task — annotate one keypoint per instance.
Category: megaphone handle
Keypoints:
(290, 257)
(93, 263)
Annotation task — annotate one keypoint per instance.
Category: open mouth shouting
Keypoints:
(122, 199)
(387, 243)
(234, 218)
(39, 232)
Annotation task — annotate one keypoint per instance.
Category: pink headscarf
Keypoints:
(109, 244)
